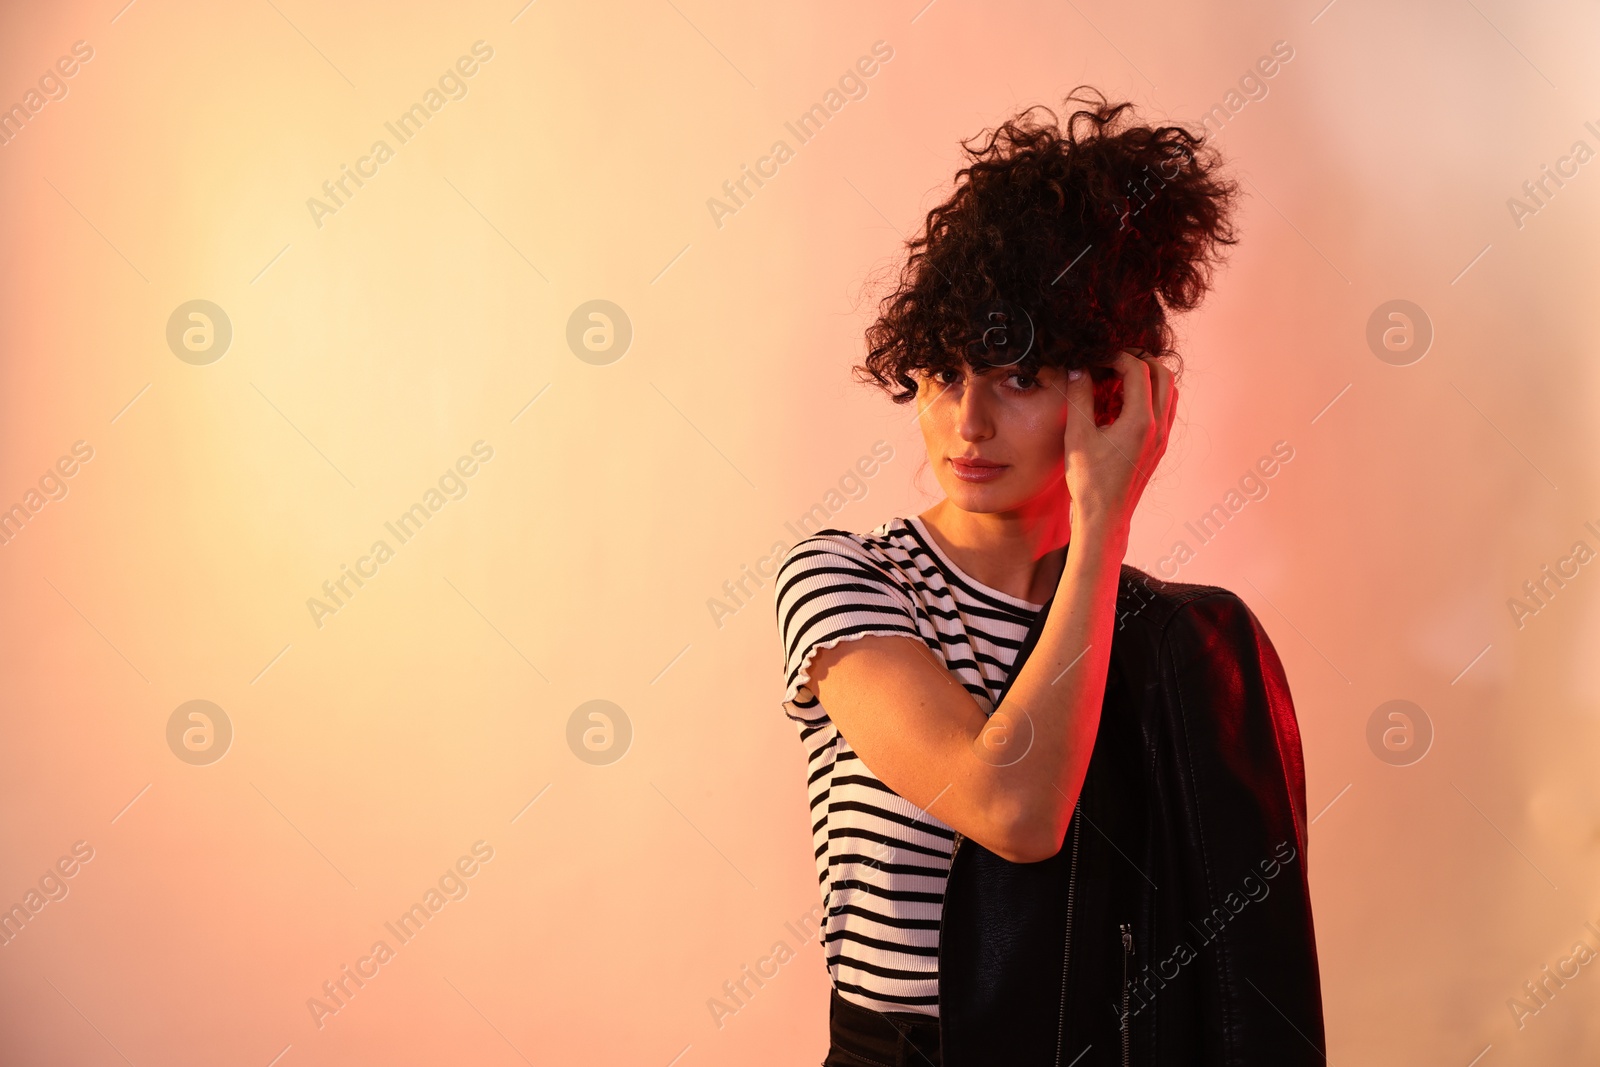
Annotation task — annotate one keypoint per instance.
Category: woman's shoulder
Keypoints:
(881, 546)
(865, 567)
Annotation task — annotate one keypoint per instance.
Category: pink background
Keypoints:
(372, 351)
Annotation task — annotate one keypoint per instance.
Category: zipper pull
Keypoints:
(1127, 939)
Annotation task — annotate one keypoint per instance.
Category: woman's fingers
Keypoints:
(1137, 387)
(1160, 396)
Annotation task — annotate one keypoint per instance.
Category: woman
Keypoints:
(1059, 806)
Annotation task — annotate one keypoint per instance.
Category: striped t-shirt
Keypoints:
(882, 862)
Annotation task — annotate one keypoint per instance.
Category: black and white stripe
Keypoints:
(882, 862)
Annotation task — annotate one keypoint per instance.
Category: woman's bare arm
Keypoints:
(994, 779)
(1010, 781)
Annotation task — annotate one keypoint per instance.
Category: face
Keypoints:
(995, 439)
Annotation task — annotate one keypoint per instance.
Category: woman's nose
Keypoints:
(974, 420)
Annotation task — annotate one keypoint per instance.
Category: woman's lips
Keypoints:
(977, 470)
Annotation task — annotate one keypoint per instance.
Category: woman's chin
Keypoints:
(983, 498)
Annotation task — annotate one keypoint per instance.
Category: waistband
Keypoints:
(861, 1037)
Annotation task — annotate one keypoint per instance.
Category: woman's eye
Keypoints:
(1023, 382)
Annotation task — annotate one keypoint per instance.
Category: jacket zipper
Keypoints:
(1127, 1021)
(1066, 941)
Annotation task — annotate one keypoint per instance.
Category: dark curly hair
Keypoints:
(1059, 247)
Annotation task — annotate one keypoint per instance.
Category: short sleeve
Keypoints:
(831, 589)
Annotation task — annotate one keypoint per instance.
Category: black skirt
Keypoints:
(861, 1037)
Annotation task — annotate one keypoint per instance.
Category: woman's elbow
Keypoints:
(1029, 836)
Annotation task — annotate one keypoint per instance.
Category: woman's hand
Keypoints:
(1107, 467)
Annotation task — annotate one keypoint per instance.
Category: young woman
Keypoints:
(1059, 806)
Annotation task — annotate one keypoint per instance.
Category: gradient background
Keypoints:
(368, 354)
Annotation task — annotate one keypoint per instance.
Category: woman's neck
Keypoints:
(1021, 553)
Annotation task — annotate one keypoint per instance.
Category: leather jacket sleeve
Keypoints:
(1180, 899)
(1239, 801)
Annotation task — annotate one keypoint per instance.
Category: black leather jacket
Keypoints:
(1174, 926)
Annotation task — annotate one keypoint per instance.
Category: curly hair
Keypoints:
(1059, 247)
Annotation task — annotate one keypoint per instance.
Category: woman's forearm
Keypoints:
(1041, 736)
